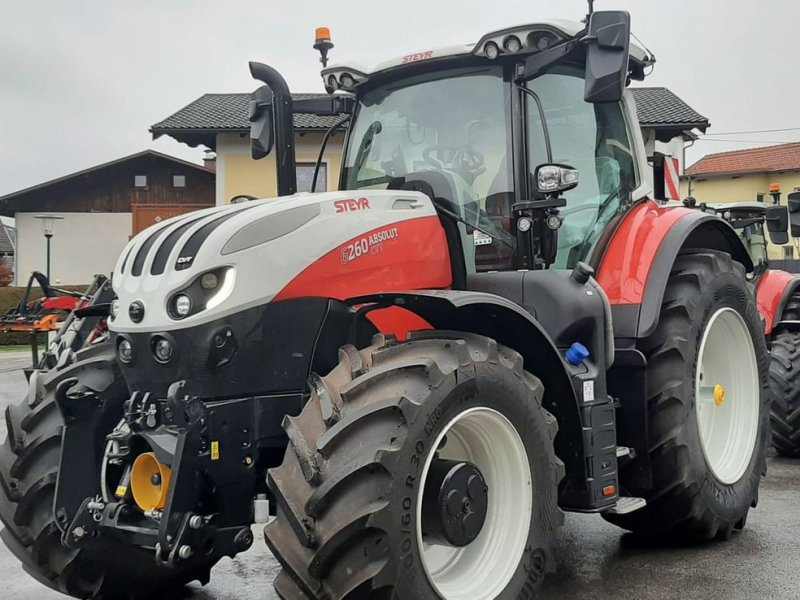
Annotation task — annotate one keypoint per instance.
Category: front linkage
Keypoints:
(200, 508)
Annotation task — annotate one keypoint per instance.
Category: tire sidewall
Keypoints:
(507, 393)
(727, 290)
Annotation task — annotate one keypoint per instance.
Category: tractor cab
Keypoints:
(529, 172)
(748, 220)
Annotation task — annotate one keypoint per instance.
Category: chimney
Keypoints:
(210, 161)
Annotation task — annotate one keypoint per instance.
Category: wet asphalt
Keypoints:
(596, 561)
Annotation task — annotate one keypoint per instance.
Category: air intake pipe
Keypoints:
(282, 120)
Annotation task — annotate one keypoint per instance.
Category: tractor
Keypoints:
(489, 324)
(778, 298)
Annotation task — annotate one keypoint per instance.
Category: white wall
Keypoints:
(82, 244)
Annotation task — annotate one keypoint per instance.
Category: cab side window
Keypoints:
(592, 138)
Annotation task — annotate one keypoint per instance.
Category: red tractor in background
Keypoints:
(77, 318)
(778, 296)
(574, 346)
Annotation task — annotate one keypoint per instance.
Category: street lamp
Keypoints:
(48, 221)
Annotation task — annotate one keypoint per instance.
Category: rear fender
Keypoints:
(636, 265)
(512, 326)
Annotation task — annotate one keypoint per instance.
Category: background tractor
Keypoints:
(574, 346)
(778, 296)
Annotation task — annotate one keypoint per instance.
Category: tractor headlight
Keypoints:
(125, 350)
(512, 44)
(163, 349)
(491, 50)
(207, 291)
(114, 308)
(183, 305)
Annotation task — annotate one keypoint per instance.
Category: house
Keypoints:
(744, 175)
(100, 208)
(219, 122)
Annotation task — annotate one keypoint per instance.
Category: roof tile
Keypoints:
(229, 111)
(656, 107)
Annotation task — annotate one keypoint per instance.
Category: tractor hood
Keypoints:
(205, 265)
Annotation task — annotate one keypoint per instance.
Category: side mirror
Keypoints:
(607, 55)
(554, 179)
(794, 213)
(262, 136)
(778, 224)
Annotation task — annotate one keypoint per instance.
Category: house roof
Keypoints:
(659, 107)
(769, 159)
(104, 166)
(8, 239)
(198, 122)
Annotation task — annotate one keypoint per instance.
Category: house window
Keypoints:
(761, 197)
(788, 252)
(140, 181)
(179, 181)
(305, 175)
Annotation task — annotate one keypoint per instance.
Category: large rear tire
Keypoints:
(708, 404)
(784, 379)
(29, 463)
(350, 490)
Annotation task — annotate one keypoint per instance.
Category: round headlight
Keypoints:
(136, 311)
(114, 309)
(524, 224)
(347, 81)
(162, 349)
(209, 281)
(512, 44)
(332, 83)
(183, 305)
(491, 50)
(125, 351)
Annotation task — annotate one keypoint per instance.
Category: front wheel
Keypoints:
(418, 470)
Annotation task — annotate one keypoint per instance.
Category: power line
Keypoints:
(754, 131)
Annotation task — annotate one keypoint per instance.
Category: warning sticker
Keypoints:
(588, 391)
(214, 450)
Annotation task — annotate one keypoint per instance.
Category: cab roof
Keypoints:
(534, 37)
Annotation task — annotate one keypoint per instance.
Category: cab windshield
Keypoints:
(455, 124)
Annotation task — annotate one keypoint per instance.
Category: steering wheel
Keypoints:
(467, 160)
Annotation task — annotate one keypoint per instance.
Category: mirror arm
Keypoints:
(535, 64)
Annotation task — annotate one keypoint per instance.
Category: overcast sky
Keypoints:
(81, 82)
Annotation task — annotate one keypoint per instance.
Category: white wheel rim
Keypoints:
(482, 569)
(727, 419)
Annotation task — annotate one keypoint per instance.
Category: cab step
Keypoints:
(627, 505)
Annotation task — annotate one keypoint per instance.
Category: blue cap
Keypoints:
(577, 353)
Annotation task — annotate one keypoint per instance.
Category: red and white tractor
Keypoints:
(574, 346)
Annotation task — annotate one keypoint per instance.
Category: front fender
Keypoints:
(773, 291)
(510, 325)
(636, 265)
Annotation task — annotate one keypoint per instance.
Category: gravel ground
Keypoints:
(596, 560)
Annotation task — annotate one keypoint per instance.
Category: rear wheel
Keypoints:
(784, 378)
(708, 404)
(418, 470)
(29, 464)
